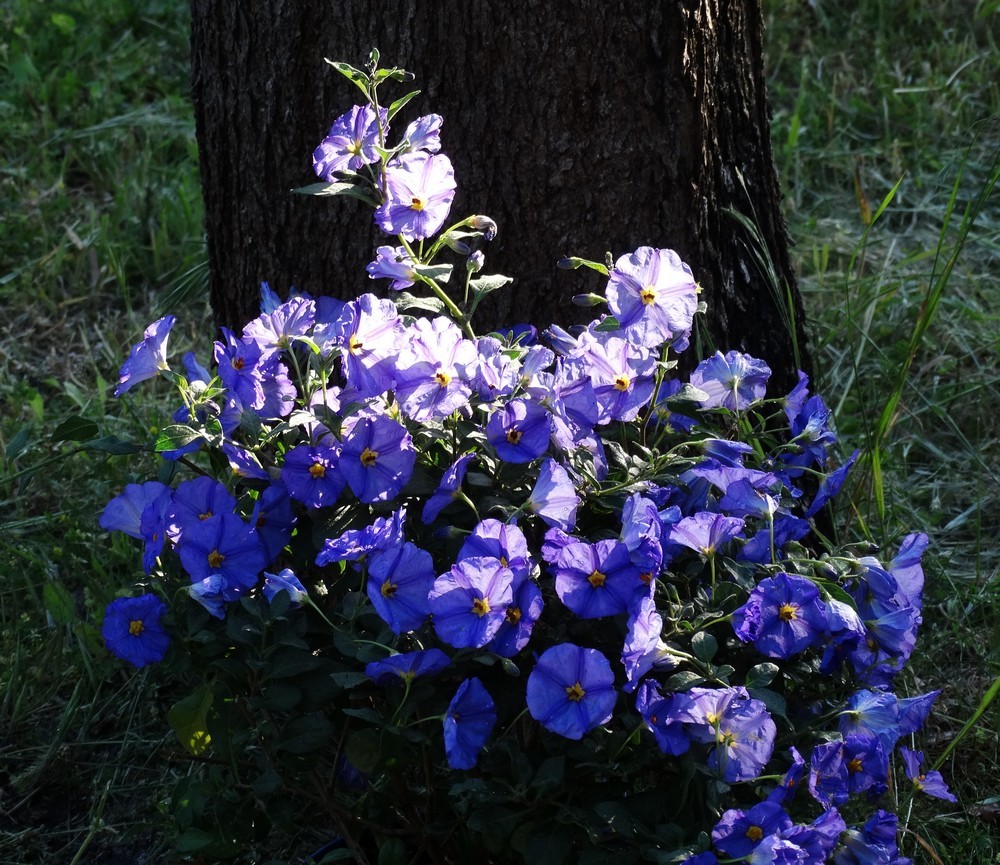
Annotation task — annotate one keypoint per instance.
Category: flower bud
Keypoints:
(486, 225)
(456, 244)
(476, 262)
(588, 300)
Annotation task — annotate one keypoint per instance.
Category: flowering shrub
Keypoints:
(505, 598)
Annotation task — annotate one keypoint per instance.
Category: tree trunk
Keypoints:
(581, 127)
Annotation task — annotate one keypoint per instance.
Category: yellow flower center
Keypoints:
(596, 579)
(388, 589)
(481, 606)
(442, 378)
(417, 204)
(854, 765)
(215, 559)
(317, 470)
(514, 436)
(368, 457)
(786, 612)
(205, 515)
(355, 345)
(136, 627)
(622, 383)
(648, 295)
(238, 363)
(755, 833)
(575, 692)
(513, 615)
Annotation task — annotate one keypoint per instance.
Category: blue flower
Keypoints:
(285, 581)
(399, 579)
(732, 381)
(553, 497)
(783, 616)
(407, 666)
(419, 188)
(133, 632)
(470, 601)
(351, 142)
(377, 458)
(520, 431)
(148, 357)
(930, 782)
(468, 723)
(571, 690)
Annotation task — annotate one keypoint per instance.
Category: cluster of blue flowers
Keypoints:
(560, 506)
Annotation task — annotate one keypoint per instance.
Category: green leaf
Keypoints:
(189, 720)
(362, 750)
(305, 733)
(339, 187)
(352, 74)
(394, 74)
(75, 429)
(405, 300)
(59, 603)
(550, 774)
(175, 436)
(399, 103)
(483, 285)
(437, 272)
(574, 263)
(704, 646)
(547, 845)
(193, 839)
(761, 675)
(19, 444)
(608, 325)
(112, 445)
(392, 851)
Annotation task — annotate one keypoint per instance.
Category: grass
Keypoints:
(100, 225)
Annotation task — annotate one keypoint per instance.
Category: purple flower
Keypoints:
(274, 519)
(311, 475)
(124, 512)
(738, 832)
(732, 381)
(418, 195)
(867, 764)
(213, 593)
(448, 490)
(239, 368)
(828, 774)
(132, 630)
(520, 431)
(503, 541)
(875, 713)
(277, 329)
(705, 532)
(470, 601)
(222, 544)
(622, 375)
(393, 263)
(665, 716)
(644, 648)
(553, 497)
(783, 616)
(195, 501)
(285, 581)
(148, 357)
(571, 690)
(930, 782)
(468, 723)
(433, 373)
(407, 666)
(385, 533)
(398, 582)
(595, 580)
(830, 484)
(653, 295)
(424, 133)
(520, 616)
(370, 332)
(351, 142)
(739, 729)
(376, 458)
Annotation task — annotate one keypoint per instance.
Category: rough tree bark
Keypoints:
(581, 127)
